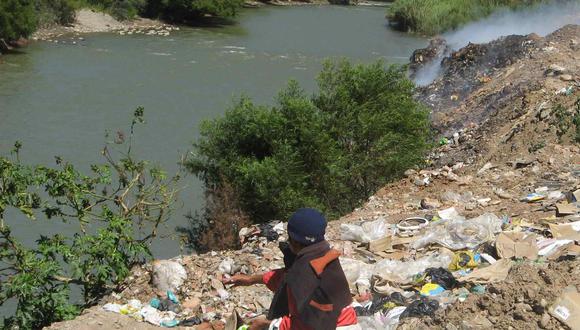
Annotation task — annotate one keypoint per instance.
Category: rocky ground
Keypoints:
(505, 112)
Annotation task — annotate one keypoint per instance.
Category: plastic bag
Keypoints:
(358, 274)
(403, 272)
(442, 277)
(364, 233)
(457, 233)
(420, 307)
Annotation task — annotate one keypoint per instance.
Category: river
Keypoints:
(59, 99)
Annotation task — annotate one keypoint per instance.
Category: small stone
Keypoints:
(192, 303)
(545, 321)
(566, 77)
(430, 203)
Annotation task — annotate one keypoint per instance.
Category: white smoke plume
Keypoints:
(541, 19)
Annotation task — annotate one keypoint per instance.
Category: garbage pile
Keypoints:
(426, 264)
(415, 267)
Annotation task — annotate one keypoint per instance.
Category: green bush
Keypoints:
(118, 208)
(330, 151)
(17, 19)
(437, 16)
(51, 12)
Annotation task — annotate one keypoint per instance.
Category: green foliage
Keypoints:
(17, 19)
(189, 10)
(50, 12)
(118, 208)
(566, 119)
(437, 16)
(329, 151)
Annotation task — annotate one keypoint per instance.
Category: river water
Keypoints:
(59, 99)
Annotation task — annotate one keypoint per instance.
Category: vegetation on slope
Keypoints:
(331, 150)
(19, 18)
(118, 208)
(437, 16)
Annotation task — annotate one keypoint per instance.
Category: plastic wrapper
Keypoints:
(403, 272)
(457, 233)
(356, 271)
(365, 232)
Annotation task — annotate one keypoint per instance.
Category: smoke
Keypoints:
(541, 19)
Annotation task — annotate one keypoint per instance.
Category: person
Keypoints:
(311, 291)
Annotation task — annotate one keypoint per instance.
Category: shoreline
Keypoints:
(88, 21)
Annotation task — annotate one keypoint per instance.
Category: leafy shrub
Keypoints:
(50, 12)
(17, 19)
(329, 151)
(436, 16)
(118, 209)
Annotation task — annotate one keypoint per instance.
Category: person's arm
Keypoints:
(244, 280)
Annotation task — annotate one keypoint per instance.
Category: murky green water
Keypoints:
(58, 99)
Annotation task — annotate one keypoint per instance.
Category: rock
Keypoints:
(430, 203)
(478, 322)
(545, 113)
(168, 275)
(545, 321)
(566, 77)
(192, 303)
(484, 168)
(556, 69)
(420, 182)
(410, 172)
(502, 193)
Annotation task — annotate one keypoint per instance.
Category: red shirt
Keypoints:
(274, 278)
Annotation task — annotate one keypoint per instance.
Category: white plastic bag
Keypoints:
(457, 233)
(356, 271)
(168, 275)
(364, 233)
(403, 271)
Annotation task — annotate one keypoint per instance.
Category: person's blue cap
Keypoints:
(307, 226)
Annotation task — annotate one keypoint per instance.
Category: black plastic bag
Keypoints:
(420, 307)
(441, 276)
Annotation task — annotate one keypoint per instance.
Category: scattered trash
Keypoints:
(567, 308)
(457, 233)
(463, 260)
(517, 245)
(411, 226)
(431, 289)
(402, 272)
(364, 233)
(533, 197)
(495, 273)
(478, 289)
(421, 307)
(441, 276)
(168, 275)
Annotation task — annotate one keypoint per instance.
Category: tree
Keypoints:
(330, 151)
(17, 19)
(118, 209)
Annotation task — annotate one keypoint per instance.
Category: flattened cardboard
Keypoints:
(566, 209)
(517, 245)
(567, 308)
(497, 272)
(566, 230)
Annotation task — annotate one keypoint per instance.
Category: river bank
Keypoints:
(89, 21)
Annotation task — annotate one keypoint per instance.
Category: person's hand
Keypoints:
(239, 280)
(259, 324)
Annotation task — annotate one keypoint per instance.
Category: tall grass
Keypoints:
(436, 16)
